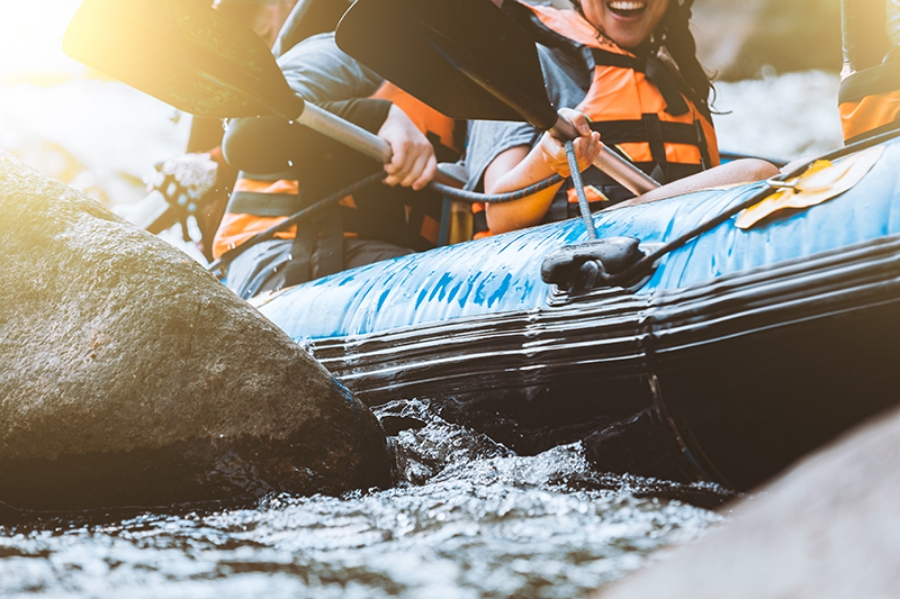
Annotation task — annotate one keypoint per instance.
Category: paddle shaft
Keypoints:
(353, 136)
(345, 132)
(621, 170)
(531, 106)
(357, 138)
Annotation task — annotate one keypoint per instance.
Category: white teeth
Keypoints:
(624, 5)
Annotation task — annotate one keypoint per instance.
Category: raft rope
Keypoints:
(217, 267)
(637, 270)
(583, 205)
(632, 273)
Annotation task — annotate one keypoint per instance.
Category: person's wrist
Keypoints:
(551, 160)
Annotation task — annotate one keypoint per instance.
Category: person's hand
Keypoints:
(587, 146)
(413, 163)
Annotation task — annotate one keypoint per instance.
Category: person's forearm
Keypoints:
(508, 216)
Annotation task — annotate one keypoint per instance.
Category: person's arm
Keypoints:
(319, 72)
(735, 172)
(519, 167)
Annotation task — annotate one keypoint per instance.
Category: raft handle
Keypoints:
(595, 263)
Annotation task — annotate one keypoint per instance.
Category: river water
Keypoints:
(469, 519)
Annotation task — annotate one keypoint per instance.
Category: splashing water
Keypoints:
(469, 520)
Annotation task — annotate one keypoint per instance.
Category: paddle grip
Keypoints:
(625, 173)
(353, 136)
(345, 132)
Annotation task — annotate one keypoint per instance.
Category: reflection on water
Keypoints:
(485, 524)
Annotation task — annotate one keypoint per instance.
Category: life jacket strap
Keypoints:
(633, 131)
(281, 197)
(657, 147)
(322, 235)
(703, 145)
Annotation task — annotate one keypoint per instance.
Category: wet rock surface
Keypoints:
(131, 377)
(828, 528)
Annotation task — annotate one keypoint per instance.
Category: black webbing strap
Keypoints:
(657, 147)
(703, 145)
(268, 204)
(299, 267)
(330, 249)
(635, 131)
(663, 78)
(322, 234)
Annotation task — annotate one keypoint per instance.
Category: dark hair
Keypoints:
(674, 34)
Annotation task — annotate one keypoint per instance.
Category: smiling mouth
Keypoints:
(627, 8)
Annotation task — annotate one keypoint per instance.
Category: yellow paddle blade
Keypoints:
(822, 181)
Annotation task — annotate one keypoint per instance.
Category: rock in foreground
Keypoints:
(829, 528)
(131, 377)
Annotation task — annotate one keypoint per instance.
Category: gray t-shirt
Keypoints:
(488, 139)
(319, 71)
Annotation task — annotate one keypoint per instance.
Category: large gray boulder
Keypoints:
(130, 377)
(830, 528)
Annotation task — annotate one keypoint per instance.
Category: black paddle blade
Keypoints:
(184, 53)
(465, 58)
(307, 18)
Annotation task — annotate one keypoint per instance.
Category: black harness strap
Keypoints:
(703, 145)
(634, 131)
(330, 248)
(657, 147)
(266, 204)
(298, 269)
(322, 235)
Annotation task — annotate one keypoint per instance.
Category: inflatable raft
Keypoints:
(730, 357)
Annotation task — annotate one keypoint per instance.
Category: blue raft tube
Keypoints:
(731, 356)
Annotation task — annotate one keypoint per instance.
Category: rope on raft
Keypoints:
(637, 269)
(217, 267)
(630, 274)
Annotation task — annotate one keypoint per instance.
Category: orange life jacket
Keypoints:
(869, 100)
(397, 215)
(640, 106)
